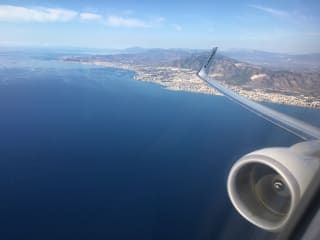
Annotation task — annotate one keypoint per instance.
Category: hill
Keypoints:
(300, 80)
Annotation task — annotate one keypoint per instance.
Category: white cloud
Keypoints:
(10, 13)
(128, 12)
(272, 11)
(295, 17)
(117, 21)
(159, 20)
(177, 27)
(90, 16)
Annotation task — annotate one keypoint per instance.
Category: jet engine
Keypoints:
(265, 186)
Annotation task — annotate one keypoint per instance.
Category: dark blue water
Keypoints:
(89, 153)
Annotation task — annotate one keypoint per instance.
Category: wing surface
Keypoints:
(295, 126)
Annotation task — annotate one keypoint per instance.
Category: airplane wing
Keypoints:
(297, 127)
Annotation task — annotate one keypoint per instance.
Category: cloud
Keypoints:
(9, 13)
(295, 17)
(117, 21)
(177, 27)
(159, 20)
(90, 16)
(272, 11)
(128, 12)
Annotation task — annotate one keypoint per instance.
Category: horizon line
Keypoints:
(48, 46)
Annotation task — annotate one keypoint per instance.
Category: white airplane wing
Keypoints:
(297, 127)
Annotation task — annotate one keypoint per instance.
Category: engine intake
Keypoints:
(265, 186)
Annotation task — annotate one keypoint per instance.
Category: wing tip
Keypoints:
(204, 70)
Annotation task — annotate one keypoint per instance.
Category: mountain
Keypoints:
(154, 57)
(280, 61)
(133, 50)
(253, 76)
(231, 70)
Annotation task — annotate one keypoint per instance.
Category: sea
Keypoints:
(87, 152)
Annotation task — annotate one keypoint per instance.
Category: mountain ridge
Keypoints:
(227, 69)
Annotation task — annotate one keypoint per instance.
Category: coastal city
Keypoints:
(180, 79)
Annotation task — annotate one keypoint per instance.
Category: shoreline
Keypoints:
(179, 79)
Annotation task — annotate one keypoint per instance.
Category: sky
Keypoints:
(291, 26)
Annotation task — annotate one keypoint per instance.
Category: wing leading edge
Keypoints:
(297, 127)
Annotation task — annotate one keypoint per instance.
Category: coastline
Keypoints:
(179, 79)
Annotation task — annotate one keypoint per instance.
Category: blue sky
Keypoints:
(282, 26)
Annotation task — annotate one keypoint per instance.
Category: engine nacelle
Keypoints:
(265, 186)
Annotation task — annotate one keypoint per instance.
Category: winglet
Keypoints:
(290, 124)
(206, 67)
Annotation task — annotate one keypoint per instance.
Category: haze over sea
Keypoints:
(89, 153)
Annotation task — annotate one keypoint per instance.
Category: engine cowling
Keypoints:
(266, 185)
